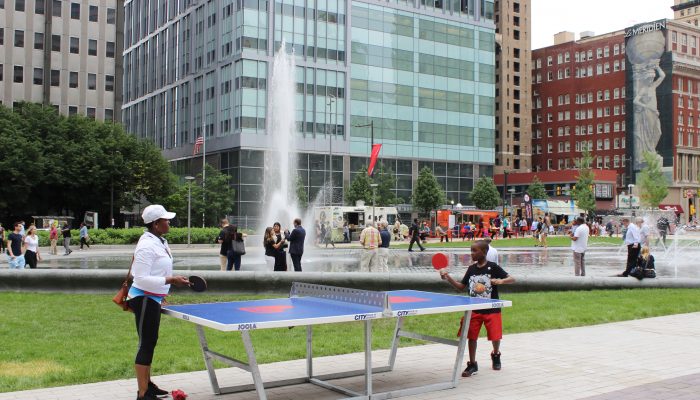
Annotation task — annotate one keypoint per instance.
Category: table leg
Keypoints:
(253, 364)
(368, 357)
(207, 359)
(460, 348)
(309, 352)
(395, 343)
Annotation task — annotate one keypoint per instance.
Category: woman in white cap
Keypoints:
(152, 270)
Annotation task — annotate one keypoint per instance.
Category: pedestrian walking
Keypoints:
(15, 245)
(296, 243)
(346, 233)
(53, 238)
(84, 237)
(65, 231)
(579, 244)
(2, 238)
(223, 250)
(31, 246)
(233, 252)
(370, 240)
(414, 233)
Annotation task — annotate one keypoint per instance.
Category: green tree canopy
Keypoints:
(302, 196)
(653, 184)
(536, 189)
(359, 189)
(57, 165)
(583, 192)
(428, 194)
(216, 204)
(485, 195)
(386, 183)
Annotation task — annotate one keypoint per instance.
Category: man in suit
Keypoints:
(414, 233)
(296, 244)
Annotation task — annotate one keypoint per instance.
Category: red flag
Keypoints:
(198, 144)
(373, 159)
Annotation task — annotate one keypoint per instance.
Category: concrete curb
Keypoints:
(107, 281)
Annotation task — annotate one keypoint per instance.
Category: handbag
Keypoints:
(120, 298)
(238, 247)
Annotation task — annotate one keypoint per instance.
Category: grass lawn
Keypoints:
(552, 241)
(62, 339)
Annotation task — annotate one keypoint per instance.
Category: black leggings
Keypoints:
(147, 315)
(30, 258)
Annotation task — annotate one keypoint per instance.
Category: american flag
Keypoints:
(198, 144)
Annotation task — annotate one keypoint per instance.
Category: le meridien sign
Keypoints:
(646, 28)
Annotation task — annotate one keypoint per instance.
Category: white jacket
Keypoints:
(152, 264)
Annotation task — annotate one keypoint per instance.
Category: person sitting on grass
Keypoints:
(482, 280)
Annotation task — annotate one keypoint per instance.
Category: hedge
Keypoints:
(132, 235)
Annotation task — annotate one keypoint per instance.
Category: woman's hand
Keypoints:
(177, 280)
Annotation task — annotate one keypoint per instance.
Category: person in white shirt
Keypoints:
(152, 269)
(579, 243)
(643, 232)
(492, 254)
(632, 240)
(31, 245)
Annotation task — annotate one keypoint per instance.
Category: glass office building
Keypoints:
(421, 72)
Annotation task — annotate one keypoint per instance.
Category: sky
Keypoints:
(600, 16)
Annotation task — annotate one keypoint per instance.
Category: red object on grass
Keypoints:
(179, 395)
(440, 261)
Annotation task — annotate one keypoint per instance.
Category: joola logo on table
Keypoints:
(246, 327)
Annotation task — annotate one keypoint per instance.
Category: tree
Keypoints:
(302, 196)
(485, 195)
(583, 192)
(536, 189)
(653, 184)
(386, 183)
(217, 203)
(359, 189)
(427, 195)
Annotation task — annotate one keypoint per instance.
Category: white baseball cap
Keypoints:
(155, 212)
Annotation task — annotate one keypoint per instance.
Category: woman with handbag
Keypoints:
(279, 246)
(268, 244)
(152, 270)
(236, 247)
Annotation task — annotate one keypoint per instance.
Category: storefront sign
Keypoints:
(646, 28)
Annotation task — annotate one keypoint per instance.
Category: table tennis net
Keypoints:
(348, 295)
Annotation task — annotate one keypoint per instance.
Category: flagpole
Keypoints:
(205, 60)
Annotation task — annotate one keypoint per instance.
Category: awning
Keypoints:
(557, 207)
(671, 207)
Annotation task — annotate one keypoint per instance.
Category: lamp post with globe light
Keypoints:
(189, 180)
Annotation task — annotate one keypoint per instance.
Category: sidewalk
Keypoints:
(642, 360)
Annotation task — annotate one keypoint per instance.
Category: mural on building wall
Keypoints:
(645, 46)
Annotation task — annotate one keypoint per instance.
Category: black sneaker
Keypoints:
(155, 390)
(496, 361)
(146, 396)
(472, 369)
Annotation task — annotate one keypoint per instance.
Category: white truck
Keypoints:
(355, 216)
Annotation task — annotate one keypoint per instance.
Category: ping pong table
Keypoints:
(309, 305)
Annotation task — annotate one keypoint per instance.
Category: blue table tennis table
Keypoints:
(309, 305)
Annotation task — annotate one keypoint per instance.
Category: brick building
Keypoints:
(578, 102)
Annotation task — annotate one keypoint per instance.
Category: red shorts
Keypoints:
(494, 326)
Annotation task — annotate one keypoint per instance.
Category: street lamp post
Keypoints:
(630, 187)
(111, 192)
(374, 194)
(505, 187)
(332, 99)
(189, 180)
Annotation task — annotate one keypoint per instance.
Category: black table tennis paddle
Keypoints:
(197, 283)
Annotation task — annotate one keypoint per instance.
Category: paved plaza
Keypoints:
(642, 360)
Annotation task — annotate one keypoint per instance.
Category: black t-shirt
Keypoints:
(224, 248)
(15, 240)
(65, 232)
(483, 275)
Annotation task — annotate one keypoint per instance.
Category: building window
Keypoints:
(19, 38)
(38, 41)
(19, 5)
(92, 47)
(2, 4)
(94, 12)
(549, 61)
(110, 50)
(92, 81)
(38, 76)
(73, 80)
(55, 77)
(2, 35)
(56, 8)
(109, 83)
(75, 45)
(2, 71)
(19, 74)
(111, 16)
(56, 43)
(72, 110)
(75, 10)
(91, 112)
(39, 7)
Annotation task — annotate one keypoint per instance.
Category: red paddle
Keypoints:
(440, 261)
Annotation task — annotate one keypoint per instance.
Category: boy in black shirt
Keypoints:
(482, 280)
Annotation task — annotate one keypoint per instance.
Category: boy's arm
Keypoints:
(503, 281)
(446, 276)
